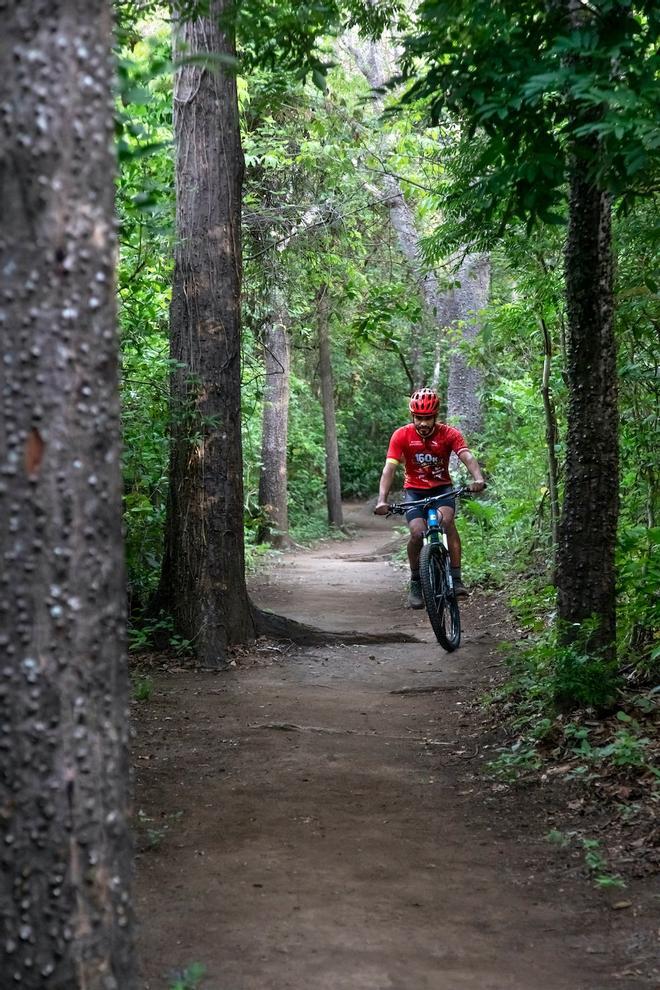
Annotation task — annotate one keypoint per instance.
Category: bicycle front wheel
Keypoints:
(439, 597)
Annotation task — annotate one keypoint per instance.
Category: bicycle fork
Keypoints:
(436, 534)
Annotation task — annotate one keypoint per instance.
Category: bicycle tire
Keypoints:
(439, 599)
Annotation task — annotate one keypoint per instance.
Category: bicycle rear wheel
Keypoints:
(439, 597)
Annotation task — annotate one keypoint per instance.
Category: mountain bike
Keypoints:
(435, 571)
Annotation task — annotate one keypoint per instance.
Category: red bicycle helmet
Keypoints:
(424, 402)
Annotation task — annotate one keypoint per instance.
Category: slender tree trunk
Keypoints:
(439, 302)
(588, 528)
(273, 488)
(435, 376)
(465, 380)
(458, 307)
(333, 480)
(65, 851)
(550, 440)
(203, 578)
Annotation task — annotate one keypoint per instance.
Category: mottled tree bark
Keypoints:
(332, 475)
(273, 488)
(455, 308)
(439, 303)
(203, 578)
(465, 381)
(586, 572)
(64, 849)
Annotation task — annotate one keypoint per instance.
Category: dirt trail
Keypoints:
(317, 819)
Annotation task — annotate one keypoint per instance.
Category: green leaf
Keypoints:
(319, 80)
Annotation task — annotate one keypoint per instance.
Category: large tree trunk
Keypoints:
(590, 511)
(332, 476)
(203, 579)
(465, 381)
(448, 308)
(273, 487)
(65, 851)
(439, 302)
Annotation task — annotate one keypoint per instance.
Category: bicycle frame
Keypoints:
(435, 531)
(435, 534)
(433, 516)
(437, 583)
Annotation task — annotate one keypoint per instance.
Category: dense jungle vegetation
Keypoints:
(318, 146)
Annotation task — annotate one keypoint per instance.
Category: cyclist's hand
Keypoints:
(382, 508)
(477, 486)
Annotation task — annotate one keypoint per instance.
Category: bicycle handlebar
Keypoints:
(400, 508)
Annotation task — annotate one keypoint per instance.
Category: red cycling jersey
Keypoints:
(426, 460)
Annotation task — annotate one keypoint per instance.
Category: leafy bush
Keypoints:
(548, 675)
(638, 573)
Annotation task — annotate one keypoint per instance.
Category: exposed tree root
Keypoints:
(430, 689)
(279, 627)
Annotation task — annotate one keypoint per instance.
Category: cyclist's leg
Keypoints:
(417, 527)
(453, 539)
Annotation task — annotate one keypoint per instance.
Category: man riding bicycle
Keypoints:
(424, 447)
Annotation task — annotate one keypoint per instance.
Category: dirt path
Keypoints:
(318, 819)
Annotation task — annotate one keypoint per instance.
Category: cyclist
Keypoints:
(424, 447)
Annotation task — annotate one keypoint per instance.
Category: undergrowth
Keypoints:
(190, 979)
(543, 674)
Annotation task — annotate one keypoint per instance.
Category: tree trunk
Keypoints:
(65, 851)
(551, 435)
(448, 307)
(464, 383)
(203, 578)
(333, 480)
(440, 303)
(273, 488)
(590, 511)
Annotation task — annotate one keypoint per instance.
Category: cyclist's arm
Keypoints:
(472, 464)
(386, 481)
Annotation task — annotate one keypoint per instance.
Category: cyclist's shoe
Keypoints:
(415, 599)
(459, 589)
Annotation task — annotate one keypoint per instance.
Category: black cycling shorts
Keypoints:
(413, 494)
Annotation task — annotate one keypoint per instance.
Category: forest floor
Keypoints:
(322, 818)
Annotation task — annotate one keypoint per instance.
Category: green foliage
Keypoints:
(580, 679)
(527, 86)
(371, 400)
(143, 688)
(145, 202)
(597, 864)
(280, 34)
(628, 748)
(314, 220)
(520, 758)
(307, 209)
(638, 563)
(506, 529)
(190, 979)
(148, 632)
(548, 675)
(638, 572)
(595, 859)
(313, 525)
